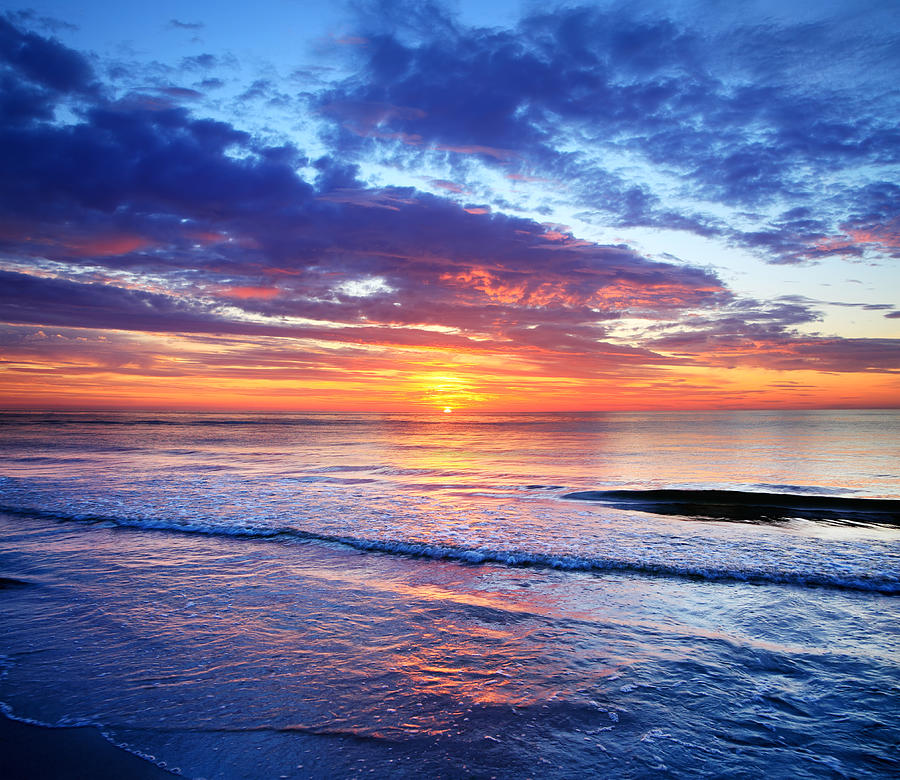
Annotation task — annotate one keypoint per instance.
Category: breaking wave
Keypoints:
(877, 582)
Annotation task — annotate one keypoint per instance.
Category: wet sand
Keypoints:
(30, 752)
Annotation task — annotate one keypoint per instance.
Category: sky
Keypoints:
(484, 206)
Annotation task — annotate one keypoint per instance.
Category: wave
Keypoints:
(12, 582)
(103, 749)
(747, 505)
(877, 583)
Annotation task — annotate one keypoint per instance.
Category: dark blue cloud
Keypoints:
(149, 161)
(231, 238)
(45, 62)
(126, 167)
(36, 73)
(177, 24)
(205, 61)
(712, 110)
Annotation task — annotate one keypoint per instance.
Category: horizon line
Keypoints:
(437, 411)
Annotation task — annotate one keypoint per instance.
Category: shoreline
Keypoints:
(32, 752)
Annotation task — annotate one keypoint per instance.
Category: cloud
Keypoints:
(177, 24)
(44, 62)
(28, 18)
(708, 119)
(753, 334)
(205, 61)
(37, 74)
(139, 217)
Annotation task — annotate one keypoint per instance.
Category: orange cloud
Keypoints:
(106, 246)
(207, 237)
(167, 372)
(524, 293)
(246, 293)
(608, 294)
(884, 238)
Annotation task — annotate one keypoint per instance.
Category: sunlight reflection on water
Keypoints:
(316, 585)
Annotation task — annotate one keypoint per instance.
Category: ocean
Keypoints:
(341, 595)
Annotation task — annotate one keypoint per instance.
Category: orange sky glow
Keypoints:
(179, 373)
(492, 221)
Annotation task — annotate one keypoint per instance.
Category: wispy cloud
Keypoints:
(136, 218)
(177, 24)
(582, 94)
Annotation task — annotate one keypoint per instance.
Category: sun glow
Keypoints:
(447, 410)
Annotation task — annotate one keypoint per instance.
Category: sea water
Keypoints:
(413, 595)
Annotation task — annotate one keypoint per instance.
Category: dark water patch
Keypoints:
(13, 582)
(747, 506)
(341, 733)
(181, 452)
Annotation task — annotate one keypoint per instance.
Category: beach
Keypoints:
(333, 596)
(413, 389)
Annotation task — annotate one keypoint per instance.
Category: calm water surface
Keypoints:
(333, 595)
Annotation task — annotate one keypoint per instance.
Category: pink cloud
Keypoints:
(248, 293)
(443, 184)
(106, 246)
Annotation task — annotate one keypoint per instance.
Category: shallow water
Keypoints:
(246, 596)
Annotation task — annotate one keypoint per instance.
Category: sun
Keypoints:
(447, 410)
